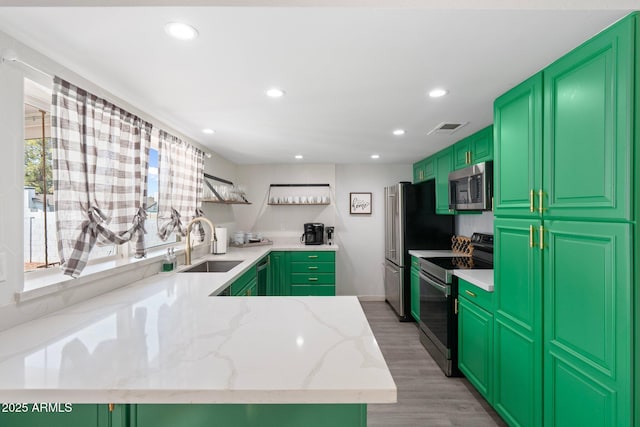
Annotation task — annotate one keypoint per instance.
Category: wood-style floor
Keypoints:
(426, 398)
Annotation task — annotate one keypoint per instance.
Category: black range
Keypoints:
(438, 300)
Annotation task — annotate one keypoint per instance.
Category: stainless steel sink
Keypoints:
(212, 267)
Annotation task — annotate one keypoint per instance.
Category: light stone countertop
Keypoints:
(480, 278)
(164, 340)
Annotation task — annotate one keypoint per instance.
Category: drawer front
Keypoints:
(310, 256)
(313, 290)
(476, 295)
(313, 278)
(313, 267)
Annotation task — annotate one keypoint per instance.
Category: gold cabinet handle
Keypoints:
(111, 407)
(311, 267)
(540, 200)
(531, 229)
(313, 279)
(541, 237)
(312, 256)
(468, 292)
(531, 195)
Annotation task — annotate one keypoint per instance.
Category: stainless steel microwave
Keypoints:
(471, 188)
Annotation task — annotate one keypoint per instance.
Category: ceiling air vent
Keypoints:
(447, 128)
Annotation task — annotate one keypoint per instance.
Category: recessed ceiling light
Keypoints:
(275, 92)
(375, 156)
(438, 92)
(399, 132)
(298, 156)
(208, 131)
(181, 31)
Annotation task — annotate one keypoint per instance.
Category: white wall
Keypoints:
(361, 237)
(12, 180)
(282, 221)
(466, 225)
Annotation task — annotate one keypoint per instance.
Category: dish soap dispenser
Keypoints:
(167, 262)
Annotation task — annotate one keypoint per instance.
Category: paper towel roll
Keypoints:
(220, 246)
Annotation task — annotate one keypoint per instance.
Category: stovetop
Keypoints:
(442, 268)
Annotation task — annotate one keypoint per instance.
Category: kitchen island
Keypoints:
(164, 340)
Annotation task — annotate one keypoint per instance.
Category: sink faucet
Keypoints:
(187, 249)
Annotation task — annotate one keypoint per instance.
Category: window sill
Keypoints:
(52, 280)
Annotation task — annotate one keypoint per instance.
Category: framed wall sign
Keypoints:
(360, 203)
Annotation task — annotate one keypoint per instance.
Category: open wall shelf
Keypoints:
(219, 190)
(299, 195)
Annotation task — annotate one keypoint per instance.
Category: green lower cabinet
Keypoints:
(588, 333)
(313, 290)
(475, 337)
(310, 273)
(415, 289)
(229, 415)
(475, 346)
(245, 281)
(60, 415)
(277, 285)
(517, 394)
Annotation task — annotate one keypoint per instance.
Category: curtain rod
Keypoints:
(10, 56)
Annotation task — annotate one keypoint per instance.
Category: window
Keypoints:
(151, 239)
(40, 241)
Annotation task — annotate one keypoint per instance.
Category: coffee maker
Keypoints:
(313, 234)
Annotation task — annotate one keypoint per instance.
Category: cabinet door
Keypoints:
(518, 322)
(588, 128)
(418, 171)
(518, 149)
(429, 168)
(415, 293)
(461, 153)
(277, 276)
(481, 148)
(588, 331)
(443, 163)
(475, 346)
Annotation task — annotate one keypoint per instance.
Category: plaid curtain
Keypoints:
(100, 162)
(180, 179)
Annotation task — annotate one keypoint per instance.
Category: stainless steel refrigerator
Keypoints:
(410, 223)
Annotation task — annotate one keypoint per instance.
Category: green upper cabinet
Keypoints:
(587, 329)
(518, 149)
(461, 150)
(474, 149)
(588, 128)
(423, 170)
(443, 165)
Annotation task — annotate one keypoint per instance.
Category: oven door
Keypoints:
(435, 311)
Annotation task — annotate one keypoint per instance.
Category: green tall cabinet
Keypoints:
(563, 264)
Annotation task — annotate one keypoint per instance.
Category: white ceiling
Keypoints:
(352, 75)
